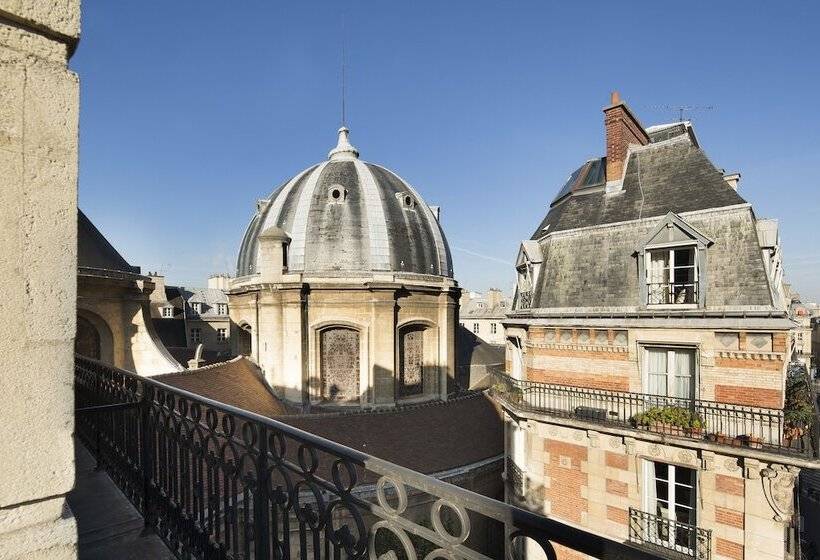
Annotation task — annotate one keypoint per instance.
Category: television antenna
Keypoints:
(682, 110)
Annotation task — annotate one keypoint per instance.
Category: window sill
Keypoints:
(672, 306)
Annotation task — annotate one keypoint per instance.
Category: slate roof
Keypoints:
(94, 250)
(596, 269)
(673, 175)
(478, 308)
(171, 332)
(379, 222)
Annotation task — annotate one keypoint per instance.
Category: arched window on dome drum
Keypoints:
(87, 341)
(411, 361)
(339, 355)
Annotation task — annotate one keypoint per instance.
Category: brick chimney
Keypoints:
(622, 129)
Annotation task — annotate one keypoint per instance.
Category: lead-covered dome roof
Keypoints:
(347, 215)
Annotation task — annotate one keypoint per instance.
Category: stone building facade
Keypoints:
(39, 102)
(344, 292)
(483, 315)
(647, 354)
(114, 322)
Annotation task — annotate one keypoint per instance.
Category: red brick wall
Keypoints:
(729, 485)
(588, 381)
(618, 515)
(728, 548)
(740, 363)
(617, 487)
(617, 460)
(729, 517)
(574, 353)
(749, 396)
(564, 492)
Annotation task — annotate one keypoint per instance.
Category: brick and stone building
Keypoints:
(344, 292)
(646, 356)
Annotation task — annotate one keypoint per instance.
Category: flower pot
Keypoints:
(724, 439)
(665, 428)
(693, 432)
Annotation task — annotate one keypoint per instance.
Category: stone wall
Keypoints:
(39, 103)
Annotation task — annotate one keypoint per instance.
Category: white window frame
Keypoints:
(168, 312)
(476, 328)
(221, 334)
(670, 367)
(650, 500)
(670, 271)
(493, 328)
(222, 308)
(196, 335)
(197, 307)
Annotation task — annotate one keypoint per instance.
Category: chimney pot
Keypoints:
(614, 98)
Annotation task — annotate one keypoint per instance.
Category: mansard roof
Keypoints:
(669, 175)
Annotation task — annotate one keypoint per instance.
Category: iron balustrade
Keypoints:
(217, 482)
(672, 293)
(722, 423)
(682, 540)
(516, 479)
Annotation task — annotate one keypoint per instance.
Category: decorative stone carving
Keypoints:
(707, 460)
(686, 457)
(778, 487)
(731, 465)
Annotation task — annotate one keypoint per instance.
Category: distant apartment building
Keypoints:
(800, 337)
(482, 314)
(188, 317)
(647, 354)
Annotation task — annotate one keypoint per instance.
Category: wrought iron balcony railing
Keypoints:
(722, 423)
(214, 481)
(524, 300)
(679, 540)
(672, 293)
(516, 479)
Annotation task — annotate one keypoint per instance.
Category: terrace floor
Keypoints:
(107, 523)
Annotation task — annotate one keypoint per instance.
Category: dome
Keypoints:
(347, 215)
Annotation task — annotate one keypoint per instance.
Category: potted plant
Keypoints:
(672, 420)
(750, 441)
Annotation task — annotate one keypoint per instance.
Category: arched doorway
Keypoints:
(411, 361)
(87, 339)
(339, 364)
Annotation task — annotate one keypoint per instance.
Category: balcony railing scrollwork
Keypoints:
(680, 540)
(215, 481)
(722, 423)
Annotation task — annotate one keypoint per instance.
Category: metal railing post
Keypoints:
(146, 453)
(261, 501)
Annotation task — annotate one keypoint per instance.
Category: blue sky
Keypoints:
(191, 111)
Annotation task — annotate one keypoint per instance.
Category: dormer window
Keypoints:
(197, 307)
(222, 308)
(672, 265)
(672, 276)
(168, 312)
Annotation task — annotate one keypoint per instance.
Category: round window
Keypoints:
(408, 201)
(336, 193)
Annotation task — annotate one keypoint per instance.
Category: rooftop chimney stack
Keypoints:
(622, 129)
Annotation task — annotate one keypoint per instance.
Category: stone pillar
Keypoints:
(447, 320)
(39, 100)
(383, 347)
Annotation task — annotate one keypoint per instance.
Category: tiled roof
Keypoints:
(171, 332)
(237, 383)
(477, 308)
(429, 437)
